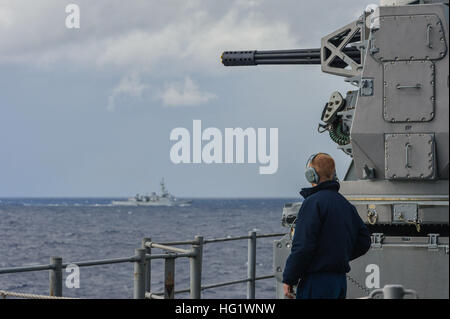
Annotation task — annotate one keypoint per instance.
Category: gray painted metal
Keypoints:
(396, 129)
(24, 269)
(402, 58)
(417, 161)
(55, 277)
(281, 250)
(196, 268)
(393, 292)
(148, 264)
(333, 51)
(405, 212)
(408, 91)
(251, 267)
(412, 262)
(419, 263)
(168, 248)
(169, 278)
(422, 32)
(139, 274)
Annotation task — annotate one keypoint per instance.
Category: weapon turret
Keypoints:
(395, 127)
(300, 56)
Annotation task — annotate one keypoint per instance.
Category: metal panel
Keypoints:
(419, 263)
(281, 251)
(413, 265)
(409, 91)
(409, 156)
(369, 126)
(417, 37)
(366, 88)
(418, 191)
(430, 213)
(405, 213)
(374, 213)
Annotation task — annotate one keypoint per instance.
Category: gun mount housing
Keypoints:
(395, 128)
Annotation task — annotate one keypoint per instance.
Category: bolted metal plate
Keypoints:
(405, 213)
(366, 88)
(409, 156)
(409, 37)
(281, 251)
(335, 103)
(409, 91)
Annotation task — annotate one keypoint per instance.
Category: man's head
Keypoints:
(320, 168)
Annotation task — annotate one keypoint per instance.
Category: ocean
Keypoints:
(78, 229)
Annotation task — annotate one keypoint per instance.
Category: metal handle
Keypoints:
(412, 292)
(390, 292)
(429, 28)
(407, 148)
(417, 86)
(375, 292)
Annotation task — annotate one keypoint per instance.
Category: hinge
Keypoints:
(366, 88)
(433, 241)
(377, 240)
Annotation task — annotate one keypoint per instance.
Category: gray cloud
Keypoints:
(130, 86)
(192, 37)
(141, 58)
(185, 94)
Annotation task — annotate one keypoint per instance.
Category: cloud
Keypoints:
(130, 86)
(194, 43)
(186, 35)
(184, 94)
(6, 18)
(180, 35)
(163, 40)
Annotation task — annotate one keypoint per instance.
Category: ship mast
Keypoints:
(163, 187)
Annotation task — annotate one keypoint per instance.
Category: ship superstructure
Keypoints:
(163, 199)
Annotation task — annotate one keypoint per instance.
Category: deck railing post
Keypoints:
(169, 278)
(196, 268)
(148, 265)
(251, 265)
(55, 277)
(139, 274)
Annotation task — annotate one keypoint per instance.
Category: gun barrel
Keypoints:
(300, 56)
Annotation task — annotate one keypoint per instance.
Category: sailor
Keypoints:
(328, 234)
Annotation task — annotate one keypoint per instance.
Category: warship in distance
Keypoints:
(165, 199)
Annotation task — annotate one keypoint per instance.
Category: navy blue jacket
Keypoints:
(328, 234)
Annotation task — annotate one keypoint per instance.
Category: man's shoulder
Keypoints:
(318, 199)
(324, 193)
(328, 196)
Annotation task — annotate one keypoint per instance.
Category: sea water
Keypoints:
(34, 229)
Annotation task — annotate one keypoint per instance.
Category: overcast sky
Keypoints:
(89, 111)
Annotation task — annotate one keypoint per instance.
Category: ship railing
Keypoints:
(196, 286)
(142, 268)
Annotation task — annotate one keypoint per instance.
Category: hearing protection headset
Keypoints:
(311, 173)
